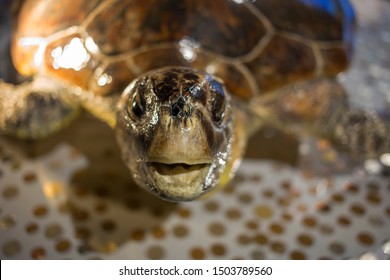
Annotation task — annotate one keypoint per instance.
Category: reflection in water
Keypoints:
(188, 49)
(91, 46)
(104, 79)
(72, 56)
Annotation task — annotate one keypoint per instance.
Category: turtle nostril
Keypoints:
(180, 108)
(176, 110)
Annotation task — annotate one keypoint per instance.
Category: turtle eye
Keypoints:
(218, 110)
(218, 104)
(138, 104)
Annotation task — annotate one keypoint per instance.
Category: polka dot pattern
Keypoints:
(263, 218)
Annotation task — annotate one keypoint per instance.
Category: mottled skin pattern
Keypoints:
(185, 83)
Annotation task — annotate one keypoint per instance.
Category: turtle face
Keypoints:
(174, 129)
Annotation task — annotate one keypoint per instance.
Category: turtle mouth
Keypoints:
(179, 181)
(173, 169)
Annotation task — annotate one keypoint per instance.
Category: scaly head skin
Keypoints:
(175, 129)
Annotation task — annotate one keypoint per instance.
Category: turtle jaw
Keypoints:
(178, 181)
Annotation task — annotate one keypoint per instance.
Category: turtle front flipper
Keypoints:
(321, 107)
(363, 133)
(35, 109)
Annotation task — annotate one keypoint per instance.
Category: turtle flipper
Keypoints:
(362, 133)
(321, 107)
(35, 109)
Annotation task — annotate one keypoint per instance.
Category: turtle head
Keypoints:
(174, 127)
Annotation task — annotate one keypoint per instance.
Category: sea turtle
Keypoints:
(184, 83)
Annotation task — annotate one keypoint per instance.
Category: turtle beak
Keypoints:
(179, 158)
(179, 181)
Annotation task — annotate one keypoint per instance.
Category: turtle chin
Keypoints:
(179, 181)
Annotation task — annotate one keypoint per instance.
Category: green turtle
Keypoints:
(185, 83)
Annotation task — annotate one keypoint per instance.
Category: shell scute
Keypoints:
(220, 26)
(282, 61)
(335, 60)
(313, 19)
(254, 46)
(43, 18)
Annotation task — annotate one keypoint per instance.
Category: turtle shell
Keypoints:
(254, 46)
